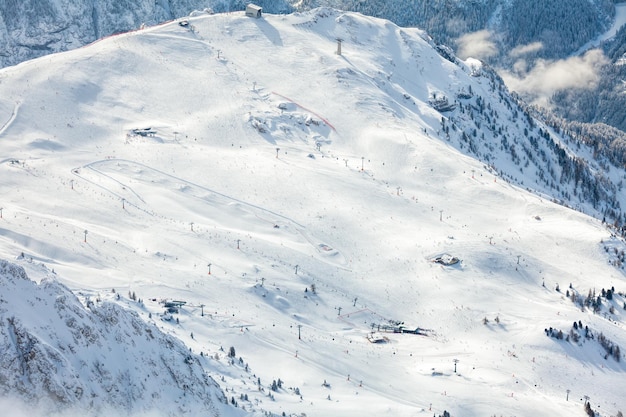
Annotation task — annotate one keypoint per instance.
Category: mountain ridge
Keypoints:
(65, 355)
(538, 60)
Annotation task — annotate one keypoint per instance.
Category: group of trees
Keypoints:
(592, 301)
(618, 256)
(276, 385)
(579, 331)
(605, 102)
(587, 183)
(560, 28)
(612, 350)
(554, 162)
(557, 334)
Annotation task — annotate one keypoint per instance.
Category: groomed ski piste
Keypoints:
(292, 203)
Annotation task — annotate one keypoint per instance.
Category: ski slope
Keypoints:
(295, 199)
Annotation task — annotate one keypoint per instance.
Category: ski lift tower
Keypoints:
(339, 40)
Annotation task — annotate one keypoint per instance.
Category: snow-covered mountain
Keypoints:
(32, 28)
(537, 45)
(301, 210)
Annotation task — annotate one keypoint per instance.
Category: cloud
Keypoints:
(476, 45)
(548, 77)
(525, 49)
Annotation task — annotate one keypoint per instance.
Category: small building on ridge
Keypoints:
(252, 10)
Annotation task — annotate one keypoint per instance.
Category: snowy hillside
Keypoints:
(59, 354)
(538, 46)
(293, 207)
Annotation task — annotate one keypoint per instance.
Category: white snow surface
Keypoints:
(241, 164)
(101, 357)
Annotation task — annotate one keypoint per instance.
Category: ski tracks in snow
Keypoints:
(8, 123)
(259, 212)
